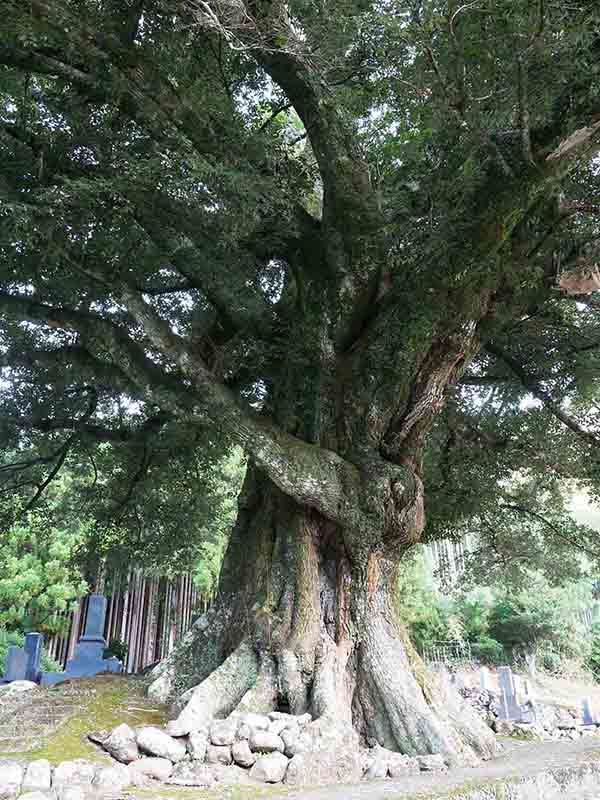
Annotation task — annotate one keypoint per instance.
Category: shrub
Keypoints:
(550, 661)
(117, 648)
(593, 659)
(488, 650)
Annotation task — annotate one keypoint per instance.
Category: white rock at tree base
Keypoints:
(121, 744)
(259, 722)
(222, 731)
(231, 775)
(158, 743)
(16, 687)
(330, 755)
(400, 766)
(197, 743)
(432, 763)
(73, 773)
(216, 754)
(265, 742)
(158, 769)
(378, 767)
(270, 768)
(191, 774)
(38, 776)
(289, 737)
(242, 754)
(11, 777)
(112, 777)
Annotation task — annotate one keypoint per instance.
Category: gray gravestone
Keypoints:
(33, 649)
(16, 664)
(88, 659)
(509, 708)
(94, 623)
(484, 679)
(517, 687)
(587, 711)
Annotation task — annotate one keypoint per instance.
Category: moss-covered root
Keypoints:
(219, 694)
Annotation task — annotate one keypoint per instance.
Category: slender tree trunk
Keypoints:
(302, 625)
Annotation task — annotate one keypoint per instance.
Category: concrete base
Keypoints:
(87, 661)
(82, 668)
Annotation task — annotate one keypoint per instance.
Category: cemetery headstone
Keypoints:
(484, 680)
(517, 687)
(587, 711)
(88, 659)
(16, 664)
(509, 707)
(33, 649)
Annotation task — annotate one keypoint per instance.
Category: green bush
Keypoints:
(518, 624)
(593, 659)
(550, 661)
(39, 578)
(117, 648)
(488, 650)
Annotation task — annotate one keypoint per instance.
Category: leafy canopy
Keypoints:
(294, 224)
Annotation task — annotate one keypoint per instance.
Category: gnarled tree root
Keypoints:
(379, 687)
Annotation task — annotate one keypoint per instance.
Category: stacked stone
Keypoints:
(245, 748)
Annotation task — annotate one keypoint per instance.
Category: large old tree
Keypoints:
(358, 240)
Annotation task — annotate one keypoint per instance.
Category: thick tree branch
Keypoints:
(313, 476)
(73, 359)
(532, 385)
(62, 456)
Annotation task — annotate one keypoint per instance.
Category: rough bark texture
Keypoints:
(351, 364)
(303, 625)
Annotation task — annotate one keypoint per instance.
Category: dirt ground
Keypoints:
(54, 723)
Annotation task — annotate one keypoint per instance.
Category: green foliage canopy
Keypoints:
(39, 574)
(185, 262)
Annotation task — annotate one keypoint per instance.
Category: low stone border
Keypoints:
(246, 748)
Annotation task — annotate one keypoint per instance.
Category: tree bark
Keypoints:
(301, 624)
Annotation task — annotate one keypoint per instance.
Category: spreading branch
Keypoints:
(532, 385)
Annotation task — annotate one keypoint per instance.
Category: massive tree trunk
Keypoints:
(304, 623)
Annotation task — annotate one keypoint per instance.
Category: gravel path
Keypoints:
(518, 760)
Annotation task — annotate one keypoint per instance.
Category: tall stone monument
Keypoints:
(588, 712)
(88, 659)
(33, 649)
(509, 706)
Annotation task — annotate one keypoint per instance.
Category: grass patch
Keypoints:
(100, 704)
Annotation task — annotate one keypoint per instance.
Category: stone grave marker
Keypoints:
(16, 664)
(509, 706)
(484, 680)
(33, 649)
(88, 659)
(588, 711)
(517, 688)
